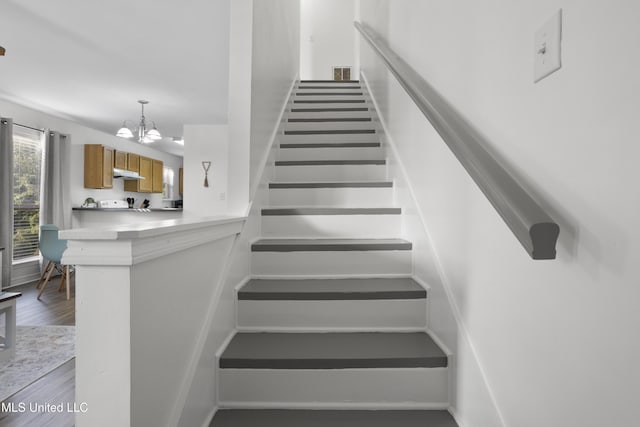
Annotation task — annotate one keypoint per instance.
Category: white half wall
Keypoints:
(327, 38)
(553, 338)
(205, 143)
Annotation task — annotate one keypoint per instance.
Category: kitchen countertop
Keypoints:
(129, 209)
(148, 229)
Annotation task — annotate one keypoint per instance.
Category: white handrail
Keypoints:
(532, 226)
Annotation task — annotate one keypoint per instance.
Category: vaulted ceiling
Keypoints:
(90, 61)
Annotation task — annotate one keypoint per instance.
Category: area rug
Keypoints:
(39, 350)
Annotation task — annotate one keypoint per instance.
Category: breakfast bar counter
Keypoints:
(101, 217)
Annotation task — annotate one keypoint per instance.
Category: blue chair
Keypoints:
(52, 248)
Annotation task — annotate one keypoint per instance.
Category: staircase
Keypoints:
(332, 329)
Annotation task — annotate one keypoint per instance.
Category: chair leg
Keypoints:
(62, 280)
(68, 282)
(44, 272)
(44, 285)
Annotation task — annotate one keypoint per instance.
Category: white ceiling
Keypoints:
(90, 61)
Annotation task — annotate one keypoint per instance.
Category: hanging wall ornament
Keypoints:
(206, 166)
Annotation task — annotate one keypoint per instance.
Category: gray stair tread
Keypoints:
(330, 119)
(329, 101)
(329, 132)
(354, 184)
(331, 289)
(332, 109)
(313, 245)
(326, 418)
(332, 351)
(329, 211)
(332, 145)
(330, 81)
(329, 87)
(328, 93)
(328, 162)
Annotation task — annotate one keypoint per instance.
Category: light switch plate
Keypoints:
(547, 47)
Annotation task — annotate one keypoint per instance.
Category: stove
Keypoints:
(113, 204)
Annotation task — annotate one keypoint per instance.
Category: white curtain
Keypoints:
(55, 200)
(6, 197)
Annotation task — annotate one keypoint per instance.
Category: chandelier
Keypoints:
(144, 136)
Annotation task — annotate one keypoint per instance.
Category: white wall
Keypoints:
(275, 62)
(554, 338)
(81, 135)
(205, 143)
(327, 38)
(240, 58)
(264, 61)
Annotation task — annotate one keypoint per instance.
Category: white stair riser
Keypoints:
(346, 137)
(340, 98)
(332, 226)
(330, 83)
(334, 197)
(338, 388)
(332, 314)
(339, 90)
(330, 153)
(295, 105)
(328, 114)
(322, 173)
(328, 125)
(330, 263)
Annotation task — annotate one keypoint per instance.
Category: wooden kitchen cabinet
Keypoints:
(98, 166)
(120, 159)
(144, 169)
(133, 162)
(158, 175)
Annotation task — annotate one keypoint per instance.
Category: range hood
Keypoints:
(128, 175)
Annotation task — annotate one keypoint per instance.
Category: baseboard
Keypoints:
(453, 413)
(440, 343)
(274, 133)
(455, 310)
(198, 349)
(219, 352)
(421, 282)
(209, 418)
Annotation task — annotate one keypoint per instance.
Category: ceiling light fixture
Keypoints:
(144, 136)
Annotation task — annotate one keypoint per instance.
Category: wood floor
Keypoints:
(59, 385)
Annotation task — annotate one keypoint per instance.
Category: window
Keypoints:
(27, 164)
(167, 183)
(341, 73)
